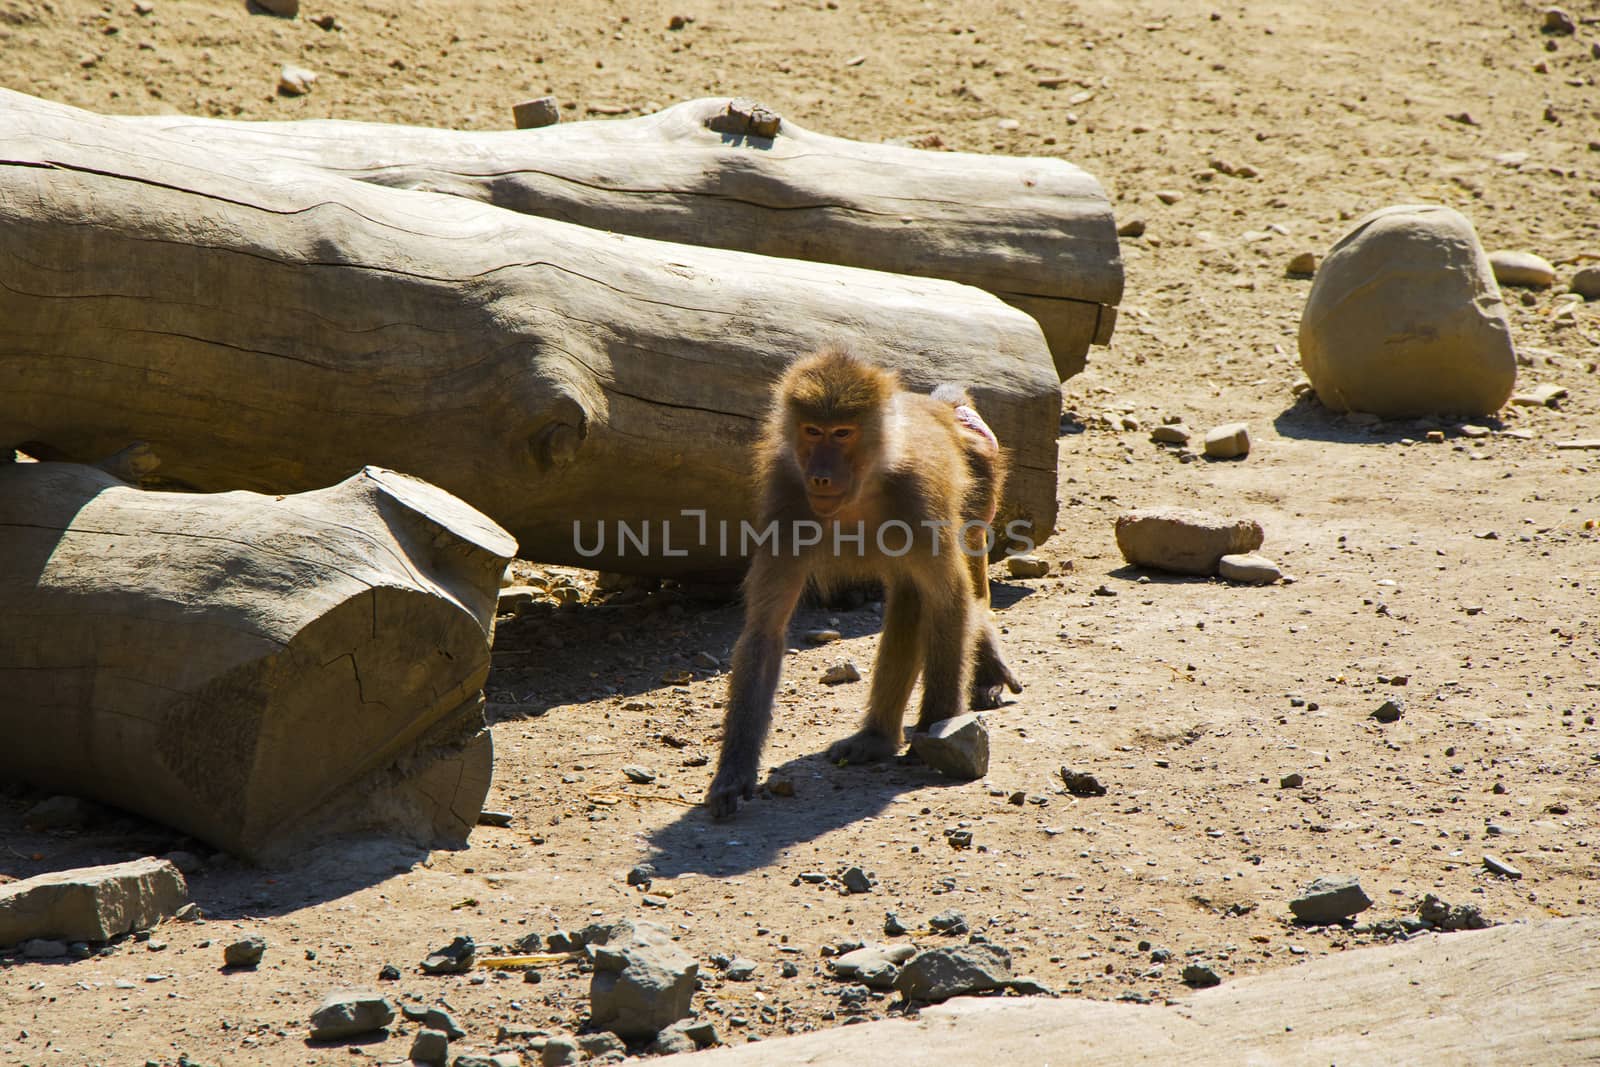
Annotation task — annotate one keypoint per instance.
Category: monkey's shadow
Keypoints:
(827, 798)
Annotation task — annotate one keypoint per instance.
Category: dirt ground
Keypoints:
(1460, 576)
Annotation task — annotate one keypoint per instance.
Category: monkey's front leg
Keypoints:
(893, 674)
(771, 591)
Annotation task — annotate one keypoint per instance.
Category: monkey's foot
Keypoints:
(863, 747)
(990, 679)
(727, 789)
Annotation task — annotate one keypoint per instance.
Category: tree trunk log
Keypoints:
(1036, 232)
(266, 326)
(252, 670)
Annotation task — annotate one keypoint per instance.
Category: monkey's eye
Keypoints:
(811, 431)
(844, 433)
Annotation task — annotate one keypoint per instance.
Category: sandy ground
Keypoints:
(1459, 576)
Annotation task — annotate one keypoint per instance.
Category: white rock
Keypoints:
(1522, 268)
(1027, 566)
(295, 81)
(1228, 441)
(1586, 283)
(958, 747)
(1404, 319)
(1248, 569)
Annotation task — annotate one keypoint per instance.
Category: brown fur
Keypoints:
(845, 445)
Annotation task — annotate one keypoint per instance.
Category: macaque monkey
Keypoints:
(862, 480)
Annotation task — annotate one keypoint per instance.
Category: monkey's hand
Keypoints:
(990, 679)
(863, 747)
(731, 785)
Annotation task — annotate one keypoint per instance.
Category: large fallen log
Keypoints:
(1036, 232)
(254, 670)
(266, 326)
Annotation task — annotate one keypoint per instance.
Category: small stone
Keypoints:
(295, 81)
(1302, 265)
(1168, 196)
(431, 1047)
(1228, 441)
(286, 8)
(822, 637)
(244, 953)
(855, 880)
(350, 1013)
(1558, 22)
(1293, 780)
(327, 22)
(559, 1051)
(686, 1035)
(892, 926)
(1134, 227)
(595, 1046)
(741, 969)
(1329, 900)
(389, 973)
(1539, 396)
(1499, 866)
(950, 922)
(1175, 433)
(841, 673)
(1437, 913)
(746, 118)
(455, 958)
(1081, 783)
(1027, 566)
(540, 111)
(494, 818)
(678, 22)
(189, 913)
(642, 874)
(1586, 283)
(1182, 540)
(941, 973)
(874, 966)
(1522, 268)
(433, 1019)
(1248, 569)
(957, 747)
(1389, 711)
(638, 774)
(1200, 976)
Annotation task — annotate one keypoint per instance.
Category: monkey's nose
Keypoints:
(821, 482)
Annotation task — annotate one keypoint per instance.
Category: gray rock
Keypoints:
(1248, 569)
(1027, 566)
(430, 1046)
(638, 774)
(856, 880)
(40, 948)
(1389, 711)
(642, 981)
(1172, 433)
(892, 926)
(1328, 900)
(1200, 976)
(540, 111)
(941, 973)
(1405, 319)
(603, 1044)
(60, 813)
(1182, 540)
(957, 747)
(434, 1019)
(559, 1051)
(741, 970)
(1586, 283)
(1499, 866)
(91, 903)
(1081, 783)
(494, 818)
(1522, 268)
(1231, 440)
(686, 1035)
(350, 1013)
(1292, 781)
(244, 953)
(949, 922)
(670, 1043)
(840, 673)
(1437, 913)
(455, 958)
(642, 874)
(875, 966)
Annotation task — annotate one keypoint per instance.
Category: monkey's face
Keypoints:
(828, 456)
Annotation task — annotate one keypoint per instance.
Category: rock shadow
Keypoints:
(1308, 420)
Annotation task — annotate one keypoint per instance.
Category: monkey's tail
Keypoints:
(954, 395)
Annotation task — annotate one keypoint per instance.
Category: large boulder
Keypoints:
(1405, 319)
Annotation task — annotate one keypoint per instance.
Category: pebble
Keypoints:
(434, 1019)
(295, 81)
(856, 880)
(1292, 781)
(639, 774)
(389, 973)
(597, 1046)
(1248, 569)
(1081, 783)
(1200, 976)
(1387, 712)
(1499, 866)
(1303, 264)
(1522, 268)
(1228, 441)
(540, 111)
(823, 637)
(1134, 227)
(1586, 283)
(455, 958)
(957, 747)
(642, 874)
(1173, 433)
(350, 1013)
(892, 926)
(841, 673)
(741, 969)
(874, 966)
(1539, 396)
(244, 953)
(1027, 566)
(950, 922)
(431, 1047)
(1168, 196)
(1328, 900)
(1558, 22)
(1437, 913)
(558, 1051)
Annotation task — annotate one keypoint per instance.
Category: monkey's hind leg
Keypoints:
(893, 674)
(990, 675)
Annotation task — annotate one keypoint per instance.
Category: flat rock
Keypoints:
(1248, 569)
(941, 973)
(1229, 441)
(957, 747)
(1182, 540)
(1172, 433)
(285, 8)
(455, 958)
(1328, 900)
(1404, 319)
(1027, 566)
(874, 966)
(350, 1013)
(532, 114)
(1496, 865)
(1539, 396)
(642, 982)
(91, 903)
(1522, 268)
